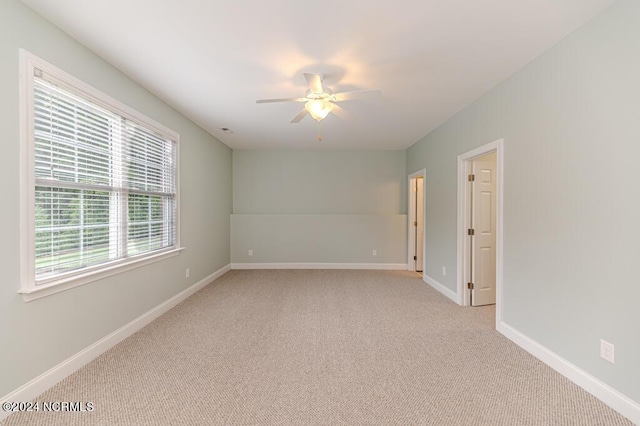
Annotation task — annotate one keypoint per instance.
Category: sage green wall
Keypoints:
(319, 238)
(320, 182)
(571, 127)
(37, 335)
(319, 207)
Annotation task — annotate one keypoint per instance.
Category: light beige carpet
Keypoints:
(321, 347)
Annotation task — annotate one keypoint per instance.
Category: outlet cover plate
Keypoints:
(607, 351)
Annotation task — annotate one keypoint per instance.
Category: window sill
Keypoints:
(37, 292)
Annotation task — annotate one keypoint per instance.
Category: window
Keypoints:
(100, 182)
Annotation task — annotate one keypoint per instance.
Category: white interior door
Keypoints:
(419, 224)
(483, 222)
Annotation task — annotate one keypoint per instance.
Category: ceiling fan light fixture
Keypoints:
(319, 100)
(318, 108)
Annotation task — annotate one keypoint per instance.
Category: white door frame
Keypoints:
(464, 165)
(411, 212)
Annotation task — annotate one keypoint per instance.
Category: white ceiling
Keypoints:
(212, 59)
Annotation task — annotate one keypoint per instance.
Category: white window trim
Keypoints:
(28, 288)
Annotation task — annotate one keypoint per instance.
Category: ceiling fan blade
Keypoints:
(300, 116)
(265, 101)
(315, 82)
(341, 112)
(357, 94)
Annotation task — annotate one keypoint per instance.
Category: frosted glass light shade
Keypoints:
(318, 109)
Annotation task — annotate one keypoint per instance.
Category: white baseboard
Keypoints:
(440, 287)
(35, 387)
(614, 399)
(381, 266)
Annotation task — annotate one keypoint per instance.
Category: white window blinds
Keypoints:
(105, 185)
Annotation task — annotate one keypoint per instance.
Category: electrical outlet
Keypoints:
(375, 252)
(444, 271)
(607, 351)
(187, 272)
(250, 252)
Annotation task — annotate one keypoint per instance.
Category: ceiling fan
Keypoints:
(320, 101)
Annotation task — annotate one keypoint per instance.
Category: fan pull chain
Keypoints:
(319, 134)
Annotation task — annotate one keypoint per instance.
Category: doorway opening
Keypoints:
(415, 252)
(480, 188)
